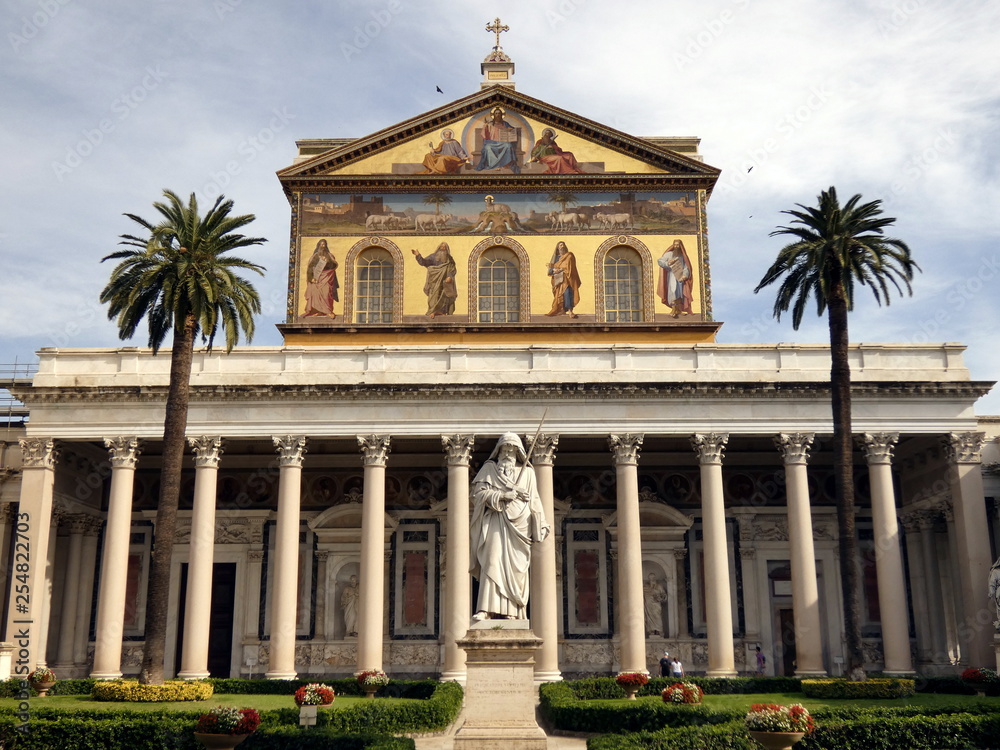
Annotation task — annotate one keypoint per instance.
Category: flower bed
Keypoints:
(228, 720)
(683, 692)
(132, 691)
(772, 717)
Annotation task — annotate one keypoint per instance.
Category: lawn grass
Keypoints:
(259, 702)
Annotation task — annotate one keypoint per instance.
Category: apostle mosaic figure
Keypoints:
(565, 282)
(321, 282)
(675, 285)
(440, 284)
(507, 518)
(448, 157)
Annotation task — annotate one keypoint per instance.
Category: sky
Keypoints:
(105, 104)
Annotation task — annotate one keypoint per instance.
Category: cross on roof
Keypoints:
(496, 28)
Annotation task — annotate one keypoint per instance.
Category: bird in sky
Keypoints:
(439, 89)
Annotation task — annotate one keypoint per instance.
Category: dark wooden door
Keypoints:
(220, 628)
(786, 630)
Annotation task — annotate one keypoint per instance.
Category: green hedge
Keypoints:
(879, 688)
(595, 688)
(144, 732)
(962, 730)
(130, 691)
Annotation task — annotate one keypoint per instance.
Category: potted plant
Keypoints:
(683, 692)
(777, 727)
(371, 680)
(314, 694)
(226, 726)
(42, 680)
(630, 682)
(979, 679)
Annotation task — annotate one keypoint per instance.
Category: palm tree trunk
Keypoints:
(843, 463)
(174, 427)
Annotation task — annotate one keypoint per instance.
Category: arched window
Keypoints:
(499, 287)
(373, 295)
(622, 287)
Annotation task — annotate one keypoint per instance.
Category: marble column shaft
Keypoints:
(371, 599)
(892, 603)
(718, 591)
(457, 579)
(114, 560)
(201, 558)
(932, 582)
(975, 630)
(85, 582)
(544, 589)
(805, 587)
(32, 528)
(285, 583)
(71, 592)
(631, 614)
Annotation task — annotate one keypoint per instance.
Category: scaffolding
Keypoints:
(13, 413)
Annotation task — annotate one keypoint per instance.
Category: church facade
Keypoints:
(501, 264)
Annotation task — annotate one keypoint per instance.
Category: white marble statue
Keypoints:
(349, 606)
(653, 596)
(994, 586)
(507, 517)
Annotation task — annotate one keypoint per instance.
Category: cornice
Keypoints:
(492, 391)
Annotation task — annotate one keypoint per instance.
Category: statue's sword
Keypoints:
(531, 447)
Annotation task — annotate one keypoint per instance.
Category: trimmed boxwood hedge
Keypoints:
(879, 688)
(369, 724)
(960, 730)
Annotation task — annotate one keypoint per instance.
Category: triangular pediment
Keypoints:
(523, 135)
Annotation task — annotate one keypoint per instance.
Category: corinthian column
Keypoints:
(114, 562)
(631, 617)
(77, 524)
(197, 609)
(544, 591)
(285, 584)
(718, 601)
(972, 534)
(878, 449)
(794, 449)
(458, 588)
(375, 452)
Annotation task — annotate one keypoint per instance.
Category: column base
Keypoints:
(811, 674)
(105, 675)
(721, 673)
(454, 676)
(193, 675)
(552, 676)
(280, 675)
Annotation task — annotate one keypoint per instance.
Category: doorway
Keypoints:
(786, 632)
(220, 625)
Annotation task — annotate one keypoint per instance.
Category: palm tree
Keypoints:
(563, 199)
(179, 278)
(437, 200)
(837, 247)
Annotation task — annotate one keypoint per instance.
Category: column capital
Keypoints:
(710, 447)
(544, 452)
(794, 446)
(290, 448)
(374, 449)
(93, 526)
(124, 451)
(680, 553)
(625, 448)
(964, 447)
(207, 450)
(38, 453)
(878, 447)
(76, 523)
(458, 449)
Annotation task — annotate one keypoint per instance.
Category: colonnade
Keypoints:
(36, 505)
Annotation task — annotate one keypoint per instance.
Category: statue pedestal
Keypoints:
(500, 688)
(996, 648)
